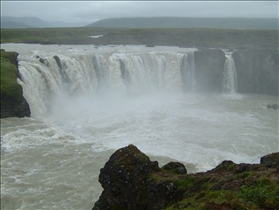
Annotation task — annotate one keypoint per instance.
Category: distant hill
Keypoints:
(34, 22)
(186, 22)
(66, 24)
(23, 22)
(12, 24)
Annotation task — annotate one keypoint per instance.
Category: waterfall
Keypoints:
(230, 77)
(61, 77)
(188, 74)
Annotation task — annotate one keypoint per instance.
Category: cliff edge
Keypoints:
(131, 181)
(13, 104)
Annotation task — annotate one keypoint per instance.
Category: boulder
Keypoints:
(271, 159)
(126, 179)
(175, 167)
(273, 106)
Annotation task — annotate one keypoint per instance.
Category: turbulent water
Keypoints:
(88, 101)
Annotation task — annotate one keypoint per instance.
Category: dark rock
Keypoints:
(127, 184)
(175, 167)
(44, 61)
(131, 181)
(257, 71)
(209, 68)
(273, 106)
(17, 109)
(57, 59)
(271, 159)
(241, 168)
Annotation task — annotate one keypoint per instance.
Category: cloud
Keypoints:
(74, 11)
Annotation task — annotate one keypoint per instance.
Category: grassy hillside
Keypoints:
(11, 91)
(187, 22)
(41, 35)
(23, 22)
(183, 37)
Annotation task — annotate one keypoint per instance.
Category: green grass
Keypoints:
(262, 194)
(11, 91)
(186, 37)
(45, 34)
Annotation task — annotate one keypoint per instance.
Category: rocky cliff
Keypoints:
(209, 68)
(257, 71)
(13, 104)
(131, 181)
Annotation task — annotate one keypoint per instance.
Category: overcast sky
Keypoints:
(91, 11)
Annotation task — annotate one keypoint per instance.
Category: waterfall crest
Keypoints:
(113, 74)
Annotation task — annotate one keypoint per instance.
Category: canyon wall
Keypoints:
(257, 71)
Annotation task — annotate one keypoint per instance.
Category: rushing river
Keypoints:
(80, 117)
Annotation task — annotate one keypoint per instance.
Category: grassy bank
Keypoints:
(11, 91)
(183, 37)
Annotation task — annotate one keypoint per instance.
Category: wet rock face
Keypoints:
(273, 106)
(271, 159)
(127, 184)
(257, 71)
(10, 108)
(209, 67)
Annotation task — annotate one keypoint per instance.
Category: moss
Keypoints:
(265, 193)
(232, 166)
(186, 183)
(262, 194)
(11, 91)
(243, 175)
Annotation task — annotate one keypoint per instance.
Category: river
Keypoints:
(80, 117)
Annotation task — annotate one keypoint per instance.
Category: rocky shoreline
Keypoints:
(131, 181)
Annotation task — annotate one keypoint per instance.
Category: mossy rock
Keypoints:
(10, 89)
(12, 102)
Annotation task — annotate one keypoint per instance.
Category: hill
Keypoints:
(23, 22)
(12, 24)
(187, 22)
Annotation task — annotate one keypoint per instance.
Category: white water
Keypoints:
(80, 117)
(230, 77)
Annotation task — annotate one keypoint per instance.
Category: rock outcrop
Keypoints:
(127, 183)
(131, 181)
(257, 71)
(273, 106)
(209, 69)
(13, 104)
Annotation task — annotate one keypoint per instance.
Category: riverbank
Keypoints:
(131, 181)
(13, 104)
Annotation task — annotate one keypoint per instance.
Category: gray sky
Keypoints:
(91, 11)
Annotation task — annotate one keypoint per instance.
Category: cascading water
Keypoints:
(116, 73)
(230, 77)
(187, 69)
